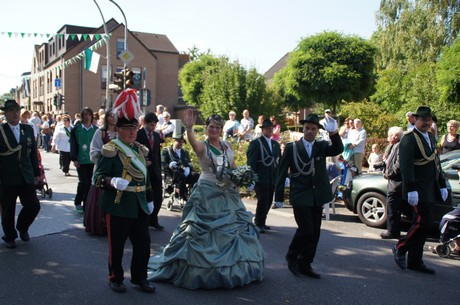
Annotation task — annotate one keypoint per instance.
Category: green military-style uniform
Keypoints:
(134, 199)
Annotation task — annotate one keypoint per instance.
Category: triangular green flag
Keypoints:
(97, 36)
(85, 36)
(48, 35)
(10, 34)
(22, 35)
(35, 34)
(73, 36)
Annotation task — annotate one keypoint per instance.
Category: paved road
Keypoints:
(63, 265)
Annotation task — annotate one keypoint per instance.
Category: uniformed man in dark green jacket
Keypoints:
(19, 172)
(309, 190)
(423, 185)
(127, 200)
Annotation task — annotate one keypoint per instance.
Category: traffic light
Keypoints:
(55, 100)
(118, 82)
(60, 100)
(123, 80)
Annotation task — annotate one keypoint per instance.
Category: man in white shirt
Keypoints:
(246, 128)
(357, 138)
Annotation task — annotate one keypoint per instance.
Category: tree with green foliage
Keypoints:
(411, 37)
(215, 85)
(327, 68)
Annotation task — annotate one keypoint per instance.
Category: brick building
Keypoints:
(58, 69)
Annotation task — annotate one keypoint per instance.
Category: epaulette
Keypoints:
(408, 132)
(109, 150)
(142, 148)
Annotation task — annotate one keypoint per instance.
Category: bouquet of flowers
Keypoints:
(242, 176)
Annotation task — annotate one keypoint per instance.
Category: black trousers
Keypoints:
(305, 241)
(182, 181)
(64, 159)
(85, 174)
(157, 188)
(264, 195)
(413, 242)
(119, 229)
(30, 209)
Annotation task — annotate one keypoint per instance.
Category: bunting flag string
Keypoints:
(67, 63)
(81, 37)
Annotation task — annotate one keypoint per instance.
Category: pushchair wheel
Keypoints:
(50, 193)
(443, 250)
(169, 206)
(43, 192)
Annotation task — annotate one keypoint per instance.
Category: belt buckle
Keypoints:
(137, 188)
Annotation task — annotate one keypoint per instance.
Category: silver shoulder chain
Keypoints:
(300, 165)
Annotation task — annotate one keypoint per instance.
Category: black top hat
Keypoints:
(123, 122)
(267, 123)
(10, 104)
(312, 118)
(423, 111)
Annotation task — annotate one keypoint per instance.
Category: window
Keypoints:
(103, 77)
(120, 46)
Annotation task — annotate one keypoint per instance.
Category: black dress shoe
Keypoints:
(157, 226)
(261, 229)
(145, 286)
(24, 236)
(400, 259)
(268, 228)
(10, 244)
(421, 268)
(308, 271)
(117, 287)
(293, 265)
(389, 235)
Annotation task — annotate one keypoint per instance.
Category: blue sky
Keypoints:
(255, 32)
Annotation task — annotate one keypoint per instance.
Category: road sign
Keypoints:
(126, 56)
(57, 83)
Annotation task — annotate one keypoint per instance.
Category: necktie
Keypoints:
(16, 133)
(151, 140)
(309, 149)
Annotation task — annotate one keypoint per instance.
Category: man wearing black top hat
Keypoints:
(177, 162)
(19, 173)
(263, 156)
(309, 190)
(423, 185)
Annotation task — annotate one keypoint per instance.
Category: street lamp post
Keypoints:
(107, 45)
(125, 42)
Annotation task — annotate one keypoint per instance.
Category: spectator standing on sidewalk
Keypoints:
(357, 138)
(61, 143)
(80, 143)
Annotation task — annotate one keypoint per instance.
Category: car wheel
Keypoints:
(372, 209)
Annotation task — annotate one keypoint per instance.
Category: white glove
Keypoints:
(251, 187)
(119, 183)
(279, 204)
(287, 182)
(186, 171)
(412, 198)
(150, 206)
(172, 164)
(444, 193)
(331, 127)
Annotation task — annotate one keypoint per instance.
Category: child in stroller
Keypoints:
(42, 185)
(450, 234)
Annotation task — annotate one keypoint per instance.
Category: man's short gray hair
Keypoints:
(408, 114)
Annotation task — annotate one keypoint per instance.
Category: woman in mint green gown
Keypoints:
(216, 244)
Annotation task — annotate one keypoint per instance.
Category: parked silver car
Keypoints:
(367, 194)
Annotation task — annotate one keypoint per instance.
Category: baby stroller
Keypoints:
(171, 187)
(42, 185)
(348, 171)
(450, 233)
